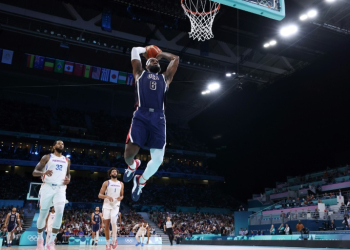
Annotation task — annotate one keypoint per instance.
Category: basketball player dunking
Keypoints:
(148, 123)
(143, 229)
(48, 226)
(112, 191)
(10, 223)
(54, 169)
(96, 219)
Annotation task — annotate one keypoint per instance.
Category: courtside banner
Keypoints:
(121, 240)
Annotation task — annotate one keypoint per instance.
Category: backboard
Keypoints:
(274, 9)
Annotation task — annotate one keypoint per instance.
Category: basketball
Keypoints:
(152, 51)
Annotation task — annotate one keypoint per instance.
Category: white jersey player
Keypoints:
(112, 191)
(54, 169)
(49, 220)
(143, 229)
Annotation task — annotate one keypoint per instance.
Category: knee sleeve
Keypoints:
(40, 224)
(59, 208)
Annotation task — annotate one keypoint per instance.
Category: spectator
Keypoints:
(241, 232)
(299, 226)
(281, 229)
(246, 232)
(215, 231)
(287, 229)
(332, 225)
(223, 230)
(283, 215)
(272, 230)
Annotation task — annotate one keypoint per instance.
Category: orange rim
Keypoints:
(198, 13)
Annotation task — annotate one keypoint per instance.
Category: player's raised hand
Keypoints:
(48, 172)
(66, 181)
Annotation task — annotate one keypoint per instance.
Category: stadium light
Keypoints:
(303, 17)
(68, 156)
(330, 1)
(288, 30)
(213, 86)
(266, 45)
(228, 74)
(312, 13)
(273, 42)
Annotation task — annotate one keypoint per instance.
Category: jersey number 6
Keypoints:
(153, 85)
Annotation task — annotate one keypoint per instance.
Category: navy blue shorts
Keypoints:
(148, 128)
(95, 227)
(11, 227)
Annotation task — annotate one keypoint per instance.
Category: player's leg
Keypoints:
(137, 137)
(97, 235)
(46, 198)
(93, 234)
(59, 202)
(48, 233)
(138, 234)
(156, 141)
(107, 221)
(114, 220)
(143, 238)
(153, 165)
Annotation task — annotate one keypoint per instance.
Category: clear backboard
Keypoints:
(34, 188)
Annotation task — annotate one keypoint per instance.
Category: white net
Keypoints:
(201, 14)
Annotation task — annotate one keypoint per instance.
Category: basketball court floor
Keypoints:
(168, 247)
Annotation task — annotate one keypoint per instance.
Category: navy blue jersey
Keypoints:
(97, 218)
(12, 219)
(150, 91)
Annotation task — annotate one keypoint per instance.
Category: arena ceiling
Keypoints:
(236, 47)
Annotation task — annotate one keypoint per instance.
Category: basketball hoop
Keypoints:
(201, 14)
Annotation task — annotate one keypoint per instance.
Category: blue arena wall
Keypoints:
(241, 220)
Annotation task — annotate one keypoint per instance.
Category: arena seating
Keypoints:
(32, 118)
(194, 223)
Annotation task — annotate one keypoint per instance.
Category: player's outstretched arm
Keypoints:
(136, 61)
(39, 169)
(172, 67)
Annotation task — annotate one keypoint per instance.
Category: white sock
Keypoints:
(40, 236)
(97, 236)
(108, 243)
(113, 238)
(133, 166)
(52, 237)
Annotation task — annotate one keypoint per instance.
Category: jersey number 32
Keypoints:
(59, 167)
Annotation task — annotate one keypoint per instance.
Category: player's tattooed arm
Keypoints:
(40, 167)
(67, 178)
(121, 197)
(172, 67)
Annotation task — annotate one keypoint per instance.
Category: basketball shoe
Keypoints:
(40, 244)
(50, 246)
(114, 244)
(129, 173)
(137, 188)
